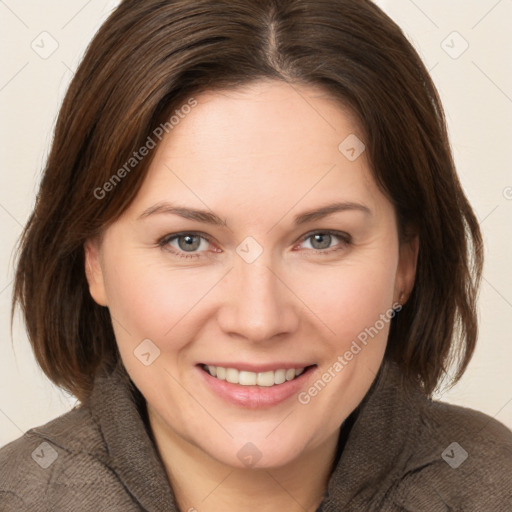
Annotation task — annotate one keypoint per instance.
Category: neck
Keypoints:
(203, 484)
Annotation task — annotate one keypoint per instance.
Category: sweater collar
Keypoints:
(379, 445)
(374, 455)
(117, 407)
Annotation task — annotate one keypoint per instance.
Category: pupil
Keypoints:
(324, 240)
(189, 243)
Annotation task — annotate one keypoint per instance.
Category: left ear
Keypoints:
(94, 272)
(406, 271)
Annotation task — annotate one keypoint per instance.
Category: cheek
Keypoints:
(355, 303)
(149, 297)
(349, 298)
(149, 302)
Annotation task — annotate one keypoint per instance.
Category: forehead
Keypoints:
(265, 142)
(264, 118)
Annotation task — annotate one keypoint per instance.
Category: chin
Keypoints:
(258, 451)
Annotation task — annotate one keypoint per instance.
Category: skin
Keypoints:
(256, 156)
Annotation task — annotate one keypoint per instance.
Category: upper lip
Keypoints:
(259, 368)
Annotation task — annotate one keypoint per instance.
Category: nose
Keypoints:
(258, 305)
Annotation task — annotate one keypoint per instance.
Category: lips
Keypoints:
(269, 393)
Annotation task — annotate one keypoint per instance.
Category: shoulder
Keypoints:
(471, 435)
(51, 466)
(461, 458)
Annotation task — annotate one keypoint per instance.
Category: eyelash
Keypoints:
(346, 240)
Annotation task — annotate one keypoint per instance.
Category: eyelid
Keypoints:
(171, 236)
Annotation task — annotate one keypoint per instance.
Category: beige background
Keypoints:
(465, 43)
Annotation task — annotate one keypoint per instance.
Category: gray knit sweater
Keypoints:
(402, 452)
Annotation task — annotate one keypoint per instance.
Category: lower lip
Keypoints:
(255, 397)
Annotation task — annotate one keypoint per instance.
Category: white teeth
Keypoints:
(244, 378)
(232, 375)
(280, 376)
(247, 378)
(265, 379)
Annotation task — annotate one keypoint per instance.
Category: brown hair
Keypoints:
(149, 58)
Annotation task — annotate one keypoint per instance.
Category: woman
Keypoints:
(252, 262)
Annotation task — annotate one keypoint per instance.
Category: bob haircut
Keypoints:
(147, 61)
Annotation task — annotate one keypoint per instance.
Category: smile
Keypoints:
(256, 386)
(246, 378)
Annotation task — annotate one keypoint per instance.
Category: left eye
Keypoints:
(323, 240)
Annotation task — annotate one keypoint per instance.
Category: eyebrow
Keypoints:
(208, 217)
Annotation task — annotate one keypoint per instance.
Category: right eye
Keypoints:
(185, 244)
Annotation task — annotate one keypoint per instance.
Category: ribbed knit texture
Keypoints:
(392, 460)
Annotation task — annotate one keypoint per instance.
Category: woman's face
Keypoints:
(256, 287)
